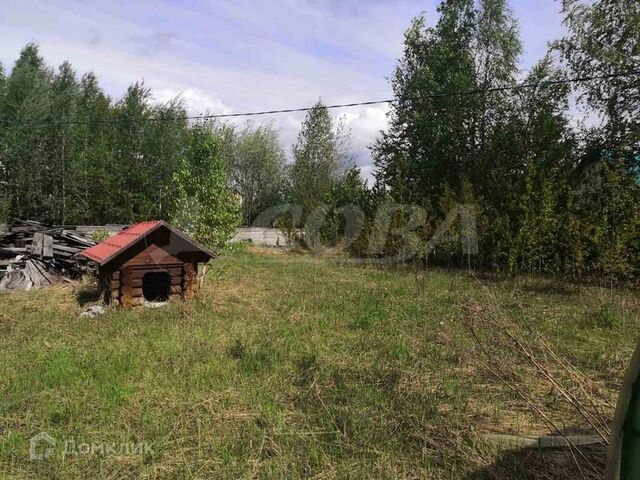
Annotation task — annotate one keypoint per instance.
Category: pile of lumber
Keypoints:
(30, 246)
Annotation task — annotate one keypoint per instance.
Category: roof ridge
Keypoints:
(129, 235)
(111, 247)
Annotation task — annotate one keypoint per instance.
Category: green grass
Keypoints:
(288, 366)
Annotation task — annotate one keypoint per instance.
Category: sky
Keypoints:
(229, 56)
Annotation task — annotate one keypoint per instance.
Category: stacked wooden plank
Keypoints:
(50, 248)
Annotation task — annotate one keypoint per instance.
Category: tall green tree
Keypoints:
(528, 182)
(131, 117)
(62, 141)
(443, 149)
(410, 156)
(320, 156)
(434, 144)
(206, 206)
(256, 167)
(25, 110)
(604, 38)
(89, 200)
(163, 151)
(5, 197)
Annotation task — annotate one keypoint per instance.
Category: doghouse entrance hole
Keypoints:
(156, 286)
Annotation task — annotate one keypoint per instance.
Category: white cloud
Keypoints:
(196, 102)
(365, 123)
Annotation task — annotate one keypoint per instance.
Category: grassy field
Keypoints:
(297, 366)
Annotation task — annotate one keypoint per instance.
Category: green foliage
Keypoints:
(346, 201)
(26, 103)
(548, 196)
(329, 190)
(70, 154)
(100, 235)
(205, 206)
(256, 162)
(603, 39)
(320, 156)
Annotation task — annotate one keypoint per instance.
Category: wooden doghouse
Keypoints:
(147, 261)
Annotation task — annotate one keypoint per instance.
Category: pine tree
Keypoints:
(131, 115)
(5, 198)
(25, 109)
(93, 166)
(62, 142)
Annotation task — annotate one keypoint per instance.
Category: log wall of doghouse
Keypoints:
(122, 279)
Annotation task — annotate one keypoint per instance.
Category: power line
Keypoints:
(545, 83)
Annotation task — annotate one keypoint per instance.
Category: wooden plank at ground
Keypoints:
(13, 250)
(64, 248)
(508, 441)
(47, 246)
(36, 244)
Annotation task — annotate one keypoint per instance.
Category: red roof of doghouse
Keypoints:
(108, 249)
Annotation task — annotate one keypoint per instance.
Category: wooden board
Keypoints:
(137, 282)
(509, 442)
(47, 246)
(36, 244)
(190, 280)
(137, 272)
(152, 256)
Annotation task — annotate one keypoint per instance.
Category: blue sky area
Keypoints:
(229, 56)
